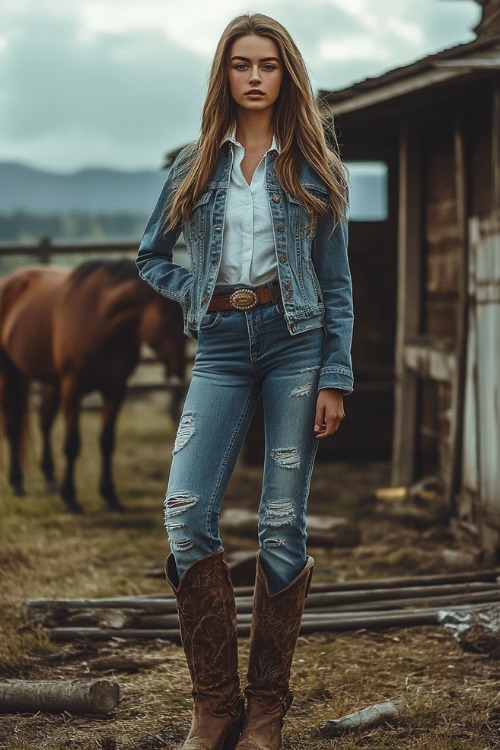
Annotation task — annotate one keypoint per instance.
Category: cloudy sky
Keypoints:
(119, 82)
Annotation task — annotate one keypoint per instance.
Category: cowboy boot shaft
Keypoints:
(207, 619)
(275, 628)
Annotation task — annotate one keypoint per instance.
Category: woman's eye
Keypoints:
(269, 67)
(240, 66)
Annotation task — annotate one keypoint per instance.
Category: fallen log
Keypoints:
(382, 604)
(369, 717)
(479, 576)
(56, 696)
(104, 634)
(311, 623)
(166, 603)
(152, 605)
(328, 598)
(53, 613)
(169, 621)
(396, 582)
(489, 594)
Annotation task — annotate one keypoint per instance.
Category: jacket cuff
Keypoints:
(336, 377)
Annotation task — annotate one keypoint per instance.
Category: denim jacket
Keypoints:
(313, 267)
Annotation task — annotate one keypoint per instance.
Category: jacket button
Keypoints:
(276, 199)
(217, 229)
(281, 227)
(282, 258)
(288, 285)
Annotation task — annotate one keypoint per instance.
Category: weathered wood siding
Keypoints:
(441, 262)
(480, 496)
(372, 257)
(433, 428)
(441, 251)
(480, 148)
(446, 112)
(480, 479)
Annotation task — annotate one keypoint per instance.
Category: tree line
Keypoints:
(76, 226)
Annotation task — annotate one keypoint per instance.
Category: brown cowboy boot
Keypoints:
(207, 617)
(275, 629)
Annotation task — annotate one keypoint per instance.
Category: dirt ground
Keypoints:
(452, 697)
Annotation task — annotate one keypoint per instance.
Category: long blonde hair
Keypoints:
(298, 127)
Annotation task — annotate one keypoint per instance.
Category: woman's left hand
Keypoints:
(329, 412)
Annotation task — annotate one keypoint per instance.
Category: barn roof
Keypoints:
(481, 56)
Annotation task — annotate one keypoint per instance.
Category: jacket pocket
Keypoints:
(304, 223)
(196, 226)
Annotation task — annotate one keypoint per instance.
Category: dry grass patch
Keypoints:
(451, 696)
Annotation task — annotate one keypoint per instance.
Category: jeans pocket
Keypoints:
(210, 320)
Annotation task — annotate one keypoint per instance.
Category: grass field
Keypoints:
(452, 696)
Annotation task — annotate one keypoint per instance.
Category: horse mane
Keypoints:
(119, 269)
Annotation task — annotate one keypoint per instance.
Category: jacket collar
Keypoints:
(231, 137)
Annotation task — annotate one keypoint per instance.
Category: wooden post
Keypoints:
(408, 305)
(44, 252)
(495, 151)
(452, 470)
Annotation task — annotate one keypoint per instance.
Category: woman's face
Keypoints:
(255, 72)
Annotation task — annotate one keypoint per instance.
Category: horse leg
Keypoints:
(14, 399)
(111, 407)
(48, 410)
(70, 403)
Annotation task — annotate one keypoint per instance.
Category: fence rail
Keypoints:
(44, 249)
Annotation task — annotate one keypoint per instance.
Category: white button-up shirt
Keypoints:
(248, 248)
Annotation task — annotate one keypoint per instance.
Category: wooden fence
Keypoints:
(43, 250)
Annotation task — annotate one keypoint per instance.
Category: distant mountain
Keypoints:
(109, 191)
(95, 191)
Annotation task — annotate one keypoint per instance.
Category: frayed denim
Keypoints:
(241, 356)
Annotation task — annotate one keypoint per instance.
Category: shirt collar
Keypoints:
(231, 137)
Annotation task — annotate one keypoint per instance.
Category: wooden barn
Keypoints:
(427, 278)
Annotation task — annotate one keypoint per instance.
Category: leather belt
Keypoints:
(245, 299)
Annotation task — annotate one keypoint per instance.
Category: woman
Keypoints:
(261, 201)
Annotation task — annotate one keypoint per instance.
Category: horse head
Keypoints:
(162, 329)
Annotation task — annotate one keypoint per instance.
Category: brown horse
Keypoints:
(76, 332)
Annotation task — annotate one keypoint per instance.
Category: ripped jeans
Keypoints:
(240, 356)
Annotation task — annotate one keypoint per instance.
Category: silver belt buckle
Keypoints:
(243, 299)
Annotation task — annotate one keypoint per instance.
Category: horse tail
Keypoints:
(14, 391)
(13, 384)
(11, 289)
